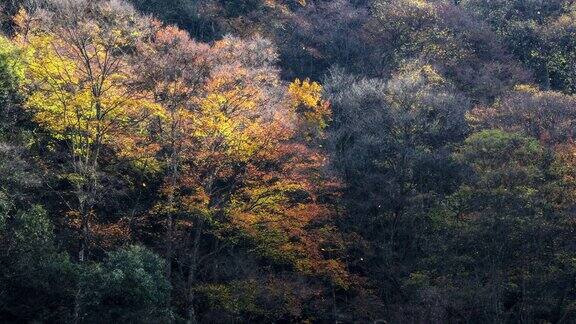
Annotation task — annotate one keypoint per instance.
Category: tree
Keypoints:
(241, 144)
(231, 161)
(130, 285)
(174, 69)
(462, 47)
(548, 116)
(310, 108)
(508, 204)
(79, 87)
(38, 282)
(559, 39)
(315, 37)
(391, 144)
(380, 129)
(78, 79)
(537, 33)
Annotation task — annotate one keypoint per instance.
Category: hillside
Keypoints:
(308, 161)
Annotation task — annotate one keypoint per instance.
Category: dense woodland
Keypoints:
(312, 161)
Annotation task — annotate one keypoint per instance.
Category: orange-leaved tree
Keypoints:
(232, 160)
(174, 69)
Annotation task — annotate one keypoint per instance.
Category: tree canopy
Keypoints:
(182, 161)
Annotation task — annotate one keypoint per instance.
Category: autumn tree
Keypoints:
(232, 166)
(79, 87)
(174, 69)
(287, 161)
(239, 127)
(312, 112)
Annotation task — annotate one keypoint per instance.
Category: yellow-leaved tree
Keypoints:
(312, 112)
(80, 89)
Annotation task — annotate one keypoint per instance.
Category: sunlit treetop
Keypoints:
(78, 76)
(310, 108)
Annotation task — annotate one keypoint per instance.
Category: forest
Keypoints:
(287, 161)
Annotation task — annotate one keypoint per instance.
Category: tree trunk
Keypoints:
(169, 240)
(174, 169)
(170, 222)
(82, 253)
(86, 194)
(195, 249)
(84, 233)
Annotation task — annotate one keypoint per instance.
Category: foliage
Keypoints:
(11, 75)
(308, 104)
(38, 281)
(129, 285)
(287, 161)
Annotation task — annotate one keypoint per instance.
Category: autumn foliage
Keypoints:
(216, 161)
